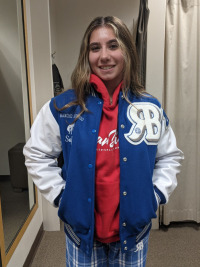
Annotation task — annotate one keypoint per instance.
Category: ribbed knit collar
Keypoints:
(100, 87)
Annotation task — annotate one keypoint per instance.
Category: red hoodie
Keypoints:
(107, 176)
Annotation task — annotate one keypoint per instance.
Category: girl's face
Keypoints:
(106, 57)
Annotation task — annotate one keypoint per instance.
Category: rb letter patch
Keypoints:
(146, 123)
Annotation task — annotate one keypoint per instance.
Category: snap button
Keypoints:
(124, 224)
(125, 242)
(125, 248)
(125, 159)
(138, 131)
(124, 193)
(93, 130)
(122, 126)
(90, 166)
(122, 97)
(99, 102)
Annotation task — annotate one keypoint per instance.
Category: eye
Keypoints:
(94, 48)
(114, 46)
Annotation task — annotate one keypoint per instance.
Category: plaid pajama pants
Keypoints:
(104, 255)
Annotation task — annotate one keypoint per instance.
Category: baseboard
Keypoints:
(34, 247)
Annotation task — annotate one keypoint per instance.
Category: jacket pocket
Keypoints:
(143, 232)
(71, 233)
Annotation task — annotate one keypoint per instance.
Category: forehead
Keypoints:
(102, 34)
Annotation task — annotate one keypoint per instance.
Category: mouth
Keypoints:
(106, 67)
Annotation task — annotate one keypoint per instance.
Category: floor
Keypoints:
(174, 246)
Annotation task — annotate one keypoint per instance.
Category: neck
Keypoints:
(108, 89)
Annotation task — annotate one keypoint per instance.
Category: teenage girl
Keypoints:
(120, 153)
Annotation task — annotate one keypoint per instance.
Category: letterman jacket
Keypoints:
(149, 163)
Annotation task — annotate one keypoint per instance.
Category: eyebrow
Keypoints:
(109, 42)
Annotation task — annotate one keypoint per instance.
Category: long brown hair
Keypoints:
(81, 75)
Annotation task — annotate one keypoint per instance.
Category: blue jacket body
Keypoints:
(149, 163)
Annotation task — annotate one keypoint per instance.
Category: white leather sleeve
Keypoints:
(168, 160)
(41, 152)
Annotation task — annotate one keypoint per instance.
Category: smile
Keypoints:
(106, 67)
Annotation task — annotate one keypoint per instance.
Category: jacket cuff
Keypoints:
(58, 198)
(160, 196)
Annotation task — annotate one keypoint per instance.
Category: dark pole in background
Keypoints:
(141, 38)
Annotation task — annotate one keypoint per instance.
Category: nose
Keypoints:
(104, 56)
